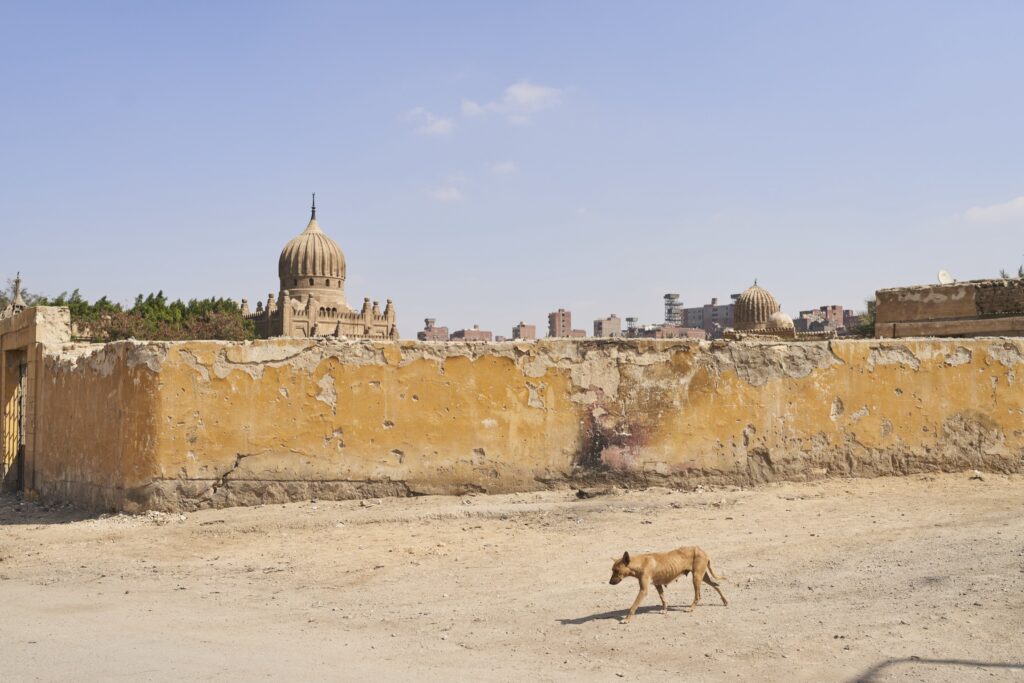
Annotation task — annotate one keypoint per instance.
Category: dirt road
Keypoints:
(918, 578)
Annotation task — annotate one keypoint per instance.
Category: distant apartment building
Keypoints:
(524, 331)
(808, 321)
(832, 315)
(432, 333)
(608, 327)
(712, 318)
(560, 325)
(821, 319)
(475, 334)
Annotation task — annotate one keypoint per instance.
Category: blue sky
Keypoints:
(486, 163)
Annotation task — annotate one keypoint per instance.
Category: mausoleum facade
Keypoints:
(311, 298)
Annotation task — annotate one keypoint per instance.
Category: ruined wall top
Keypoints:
(992, 307)
(46, 325)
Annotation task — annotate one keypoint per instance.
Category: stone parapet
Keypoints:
(959, 309)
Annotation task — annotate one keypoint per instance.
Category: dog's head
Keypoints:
(620, 570)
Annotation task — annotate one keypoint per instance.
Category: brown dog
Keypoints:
(662, 569)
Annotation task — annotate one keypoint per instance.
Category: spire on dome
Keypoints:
(313, 225)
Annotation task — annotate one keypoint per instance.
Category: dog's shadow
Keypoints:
(618, 615)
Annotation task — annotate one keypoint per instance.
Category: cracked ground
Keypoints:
(915, 578)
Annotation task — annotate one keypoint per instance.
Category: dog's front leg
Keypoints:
(661, 594)
(644, 585)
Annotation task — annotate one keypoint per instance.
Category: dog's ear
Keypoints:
(625, 557)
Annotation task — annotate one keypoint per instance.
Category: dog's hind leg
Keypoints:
(696, 592)
(661, 594)
(700, 566)
(714, 584)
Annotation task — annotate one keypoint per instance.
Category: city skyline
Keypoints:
(827, 151)
(717, 318)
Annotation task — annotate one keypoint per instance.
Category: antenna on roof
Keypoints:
(945, 278)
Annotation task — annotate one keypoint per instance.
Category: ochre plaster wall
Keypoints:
(97, 428)
(182, 425)
(25, 338)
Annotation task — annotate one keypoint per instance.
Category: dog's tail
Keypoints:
(713, 576)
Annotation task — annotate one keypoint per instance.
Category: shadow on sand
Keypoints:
(621, 614)
(891, 667)
(15, 510)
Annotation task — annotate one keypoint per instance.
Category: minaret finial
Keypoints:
(314, 207)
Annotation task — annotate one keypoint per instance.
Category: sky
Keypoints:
(486, 163)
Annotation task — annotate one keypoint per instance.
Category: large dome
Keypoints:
(311, 255)
(754, 309)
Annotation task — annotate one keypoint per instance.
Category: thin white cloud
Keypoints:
(1010, 211)
(428, 123)
(518, 103)
(470, 108)
(448, 193)
(504, 167)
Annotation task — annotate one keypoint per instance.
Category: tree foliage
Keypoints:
(1006, 276)
(151, 317)
(866, 326)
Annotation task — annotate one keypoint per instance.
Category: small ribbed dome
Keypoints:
(781, 321)
(311, 254)
(754, 309)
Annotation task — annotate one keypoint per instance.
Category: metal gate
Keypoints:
(12, 470)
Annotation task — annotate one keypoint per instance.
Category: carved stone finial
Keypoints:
(18, 300)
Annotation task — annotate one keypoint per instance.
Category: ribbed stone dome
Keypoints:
(754, 309)
(311, 255)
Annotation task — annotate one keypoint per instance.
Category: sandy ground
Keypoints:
(918, 578)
